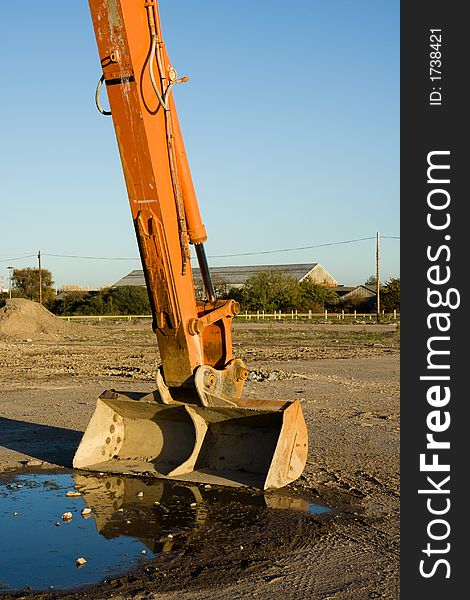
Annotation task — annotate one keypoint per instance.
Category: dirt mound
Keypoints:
(23, 319)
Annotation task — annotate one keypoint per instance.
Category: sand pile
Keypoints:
(23, 319)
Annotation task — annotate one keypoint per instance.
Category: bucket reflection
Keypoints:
(166, 516)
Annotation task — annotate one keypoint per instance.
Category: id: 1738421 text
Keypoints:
(435, 67)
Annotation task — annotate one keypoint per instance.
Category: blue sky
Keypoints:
(290, 119)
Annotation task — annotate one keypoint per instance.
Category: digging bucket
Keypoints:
(261, 444)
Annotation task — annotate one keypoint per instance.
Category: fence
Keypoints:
(325, 316)
(104, 317)
(261, 315)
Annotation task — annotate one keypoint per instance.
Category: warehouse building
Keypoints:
(236, 277)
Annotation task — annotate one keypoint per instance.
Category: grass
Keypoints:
(315, 337)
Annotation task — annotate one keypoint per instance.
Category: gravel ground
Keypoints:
(347, 378)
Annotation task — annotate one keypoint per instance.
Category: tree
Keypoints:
(218, 282)
(390, 295)
(67, 303)
(25, 284)
(124, 300)
(271, 291)
(235, 293)
(371, 281)
(315, 296)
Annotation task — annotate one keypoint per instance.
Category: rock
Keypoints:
(143, 551)
(193, 504)
(73, 494)
(80, 561)
(140, 494)
(86, 512)
(67, 516)
(15, 514)
(57, 524)
(166, 539)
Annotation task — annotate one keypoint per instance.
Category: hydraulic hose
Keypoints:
(205, 273)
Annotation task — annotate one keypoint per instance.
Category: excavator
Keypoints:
(196, 425)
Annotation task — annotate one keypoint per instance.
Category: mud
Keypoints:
(347, 378)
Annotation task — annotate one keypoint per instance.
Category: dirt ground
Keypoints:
(347, 378)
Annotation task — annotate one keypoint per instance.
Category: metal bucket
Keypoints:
(262, 444)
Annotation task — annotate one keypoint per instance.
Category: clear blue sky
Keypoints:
(291, 123)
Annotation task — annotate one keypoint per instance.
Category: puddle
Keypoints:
(131, 520)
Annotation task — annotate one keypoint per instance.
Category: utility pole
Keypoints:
(377, 274)
(11, 277)
(40, 278)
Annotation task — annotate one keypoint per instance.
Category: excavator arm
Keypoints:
(139, 79)
(197, 423)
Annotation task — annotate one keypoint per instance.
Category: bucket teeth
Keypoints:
(261, 445)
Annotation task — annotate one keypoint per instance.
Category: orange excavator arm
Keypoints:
(139, 79)
(196, 426)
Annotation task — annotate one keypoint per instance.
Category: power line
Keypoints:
(17, 258)
(301, 247)
(90, 257)
(260, 252)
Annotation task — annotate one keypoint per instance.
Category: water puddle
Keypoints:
(129, 520)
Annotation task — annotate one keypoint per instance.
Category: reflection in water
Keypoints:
(152, 509)
(131, 519)
(149, 510)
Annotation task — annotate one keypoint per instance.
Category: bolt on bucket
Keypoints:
(261, 444)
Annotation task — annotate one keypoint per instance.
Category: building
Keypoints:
(236, 277)
(75, 288)
(363, 295)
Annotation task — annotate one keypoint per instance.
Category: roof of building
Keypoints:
(135, 277)
(232, 275)
(342, 290)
